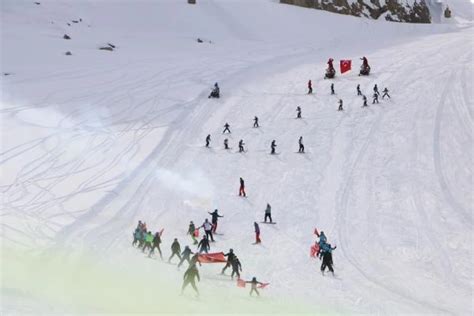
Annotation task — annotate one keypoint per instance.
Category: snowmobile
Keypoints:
(215, 93)
(364, 70)
(330, 73)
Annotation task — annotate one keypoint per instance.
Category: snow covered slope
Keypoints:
(95, 141)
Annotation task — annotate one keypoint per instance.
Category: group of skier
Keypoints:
(324, 252)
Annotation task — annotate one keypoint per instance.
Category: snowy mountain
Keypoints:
(96, 140)
(424, 11)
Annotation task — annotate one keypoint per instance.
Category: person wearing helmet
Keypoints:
(230, 258)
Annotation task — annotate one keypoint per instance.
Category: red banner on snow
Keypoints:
(241, 283)
(314, 250)
(212, 257)
(345, 65)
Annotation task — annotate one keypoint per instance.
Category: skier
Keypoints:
(376, 98)
(310, 87)
(241, 146)
(242, 188)
(208, 140)
(226, 128)
(326, 254)
(230, 258)
(300, 142)
(257, 233)
(358, 90)
(208, 229)
(215, 93)
(273, 146)
(332, 89)
(236, 268)
(148, 241)
(175, 249)
(255, 122)
(189, 278)
(204, 245)
(298, 112)
(254, 283)
(385, 93)
(215, 216)
(376, 89)
(364, 98)
(156, 244)
(192, 231)
(186, 255)
(268, 213)
(322, 237)
(365, 68)
(226, 143)
(340, 105)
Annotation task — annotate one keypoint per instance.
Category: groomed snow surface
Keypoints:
(93, 142)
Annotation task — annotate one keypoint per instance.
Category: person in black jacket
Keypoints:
(185, 255)
(255, 122)
(298, 112)
(358, 90)
(226, 128)
(215, 216)
(241, 146)
(326, 254)
(156, 244)
(242, 188)
(375, 98)
(364, 98)
(204, 245)
(236, 268)
(226, 143)
(273, 146)
(190, 277)
(175, 249)
(208, 140)
(332, 89)
(230, 258)
(300, 142)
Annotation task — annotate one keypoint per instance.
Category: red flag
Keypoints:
(212, 257)
(314, 250)
(196, 232)
(263, 285)
(345, 65)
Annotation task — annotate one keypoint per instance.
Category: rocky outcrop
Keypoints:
(390, 10)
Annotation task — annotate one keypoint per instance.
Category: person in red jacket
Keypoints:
(310, 87)
(242, 188)
(257, 233)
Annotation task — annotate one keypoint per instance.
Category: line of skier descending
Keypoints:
(273, 145)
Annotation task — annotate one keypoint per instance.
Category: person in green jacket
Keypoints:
(148, 241)
(191, 230)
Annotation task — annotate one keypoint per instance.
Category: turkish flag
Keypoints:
(345, 65)
(212, 257)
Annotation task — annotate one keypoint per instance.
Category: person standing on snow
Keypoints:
(207, 229)
(148, 241)
(257, 233)
(241, 146)
(326, 253)
(376, 90)
(310, 87)
(236, 268)
(375, 98)
(226, 143)
(185, 255)
(255, 122)
(156, 244)
(298, 112)
(268, 213)
(340, 105)
(273, 146)
(385, 93)
(358, 90)
(204, 245)
(332, 89)
(242, 188)
(136, 236)
(215, 216)
(364, 98)
(230, 258)
(175, 250)
(226, 128)
(365, 62)
(300, 142)
(192, 231)
(189, 277)
(254, 283)
(208, 140)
